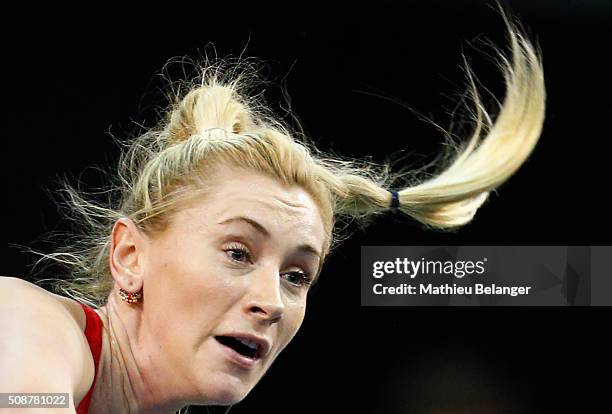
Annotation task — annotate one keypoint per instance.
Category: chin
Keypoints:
(226, 396)
(227, 390)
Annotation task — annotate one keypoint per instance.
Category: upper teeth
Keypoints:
(250, 344)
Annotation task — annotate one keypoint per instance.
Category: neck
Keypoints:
(124, 383)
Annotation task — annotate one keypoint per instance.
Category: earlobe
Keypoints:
(126, 255)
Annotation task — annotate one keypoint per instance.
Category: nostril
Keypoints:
(272, 313)
(257, 309)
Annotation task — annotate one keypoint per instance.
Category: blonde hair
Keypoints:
(218, 122)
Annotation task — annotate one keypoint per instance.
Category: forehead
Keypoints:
(238, 192)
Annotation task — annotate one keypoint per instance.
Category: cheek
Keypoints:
(185, 270)
(188, 291)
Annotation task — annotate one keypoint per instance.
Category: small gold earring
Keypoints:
(130, 297)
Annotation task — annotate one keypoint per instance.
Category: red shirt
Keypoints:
(93, 333)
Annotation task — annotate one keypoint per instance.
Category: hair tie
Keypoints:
(395, 204)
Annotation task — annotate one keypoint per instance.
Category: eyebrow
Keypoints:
(261, 229)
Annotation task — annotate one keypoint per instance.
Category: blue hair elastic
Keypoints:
(395, 204)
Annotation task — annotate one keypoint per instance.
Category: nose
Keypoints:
(264, 301)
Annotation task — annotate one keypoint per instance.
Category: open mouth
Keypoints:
(244, 347)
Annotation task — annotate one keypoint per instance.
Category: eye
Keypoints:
(297, 278)
(238, 253)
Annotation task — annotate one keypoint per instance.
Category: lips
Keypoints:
(246, 345)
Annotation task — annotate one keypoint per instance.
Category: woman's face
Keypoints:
(225, 284)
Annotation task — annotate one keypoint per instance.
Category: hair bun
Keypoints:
(206, 107)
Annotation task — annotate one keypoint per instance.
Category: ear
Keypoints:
(126, 255)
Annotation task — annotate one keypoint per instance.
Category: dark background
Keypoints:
(76, 74)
